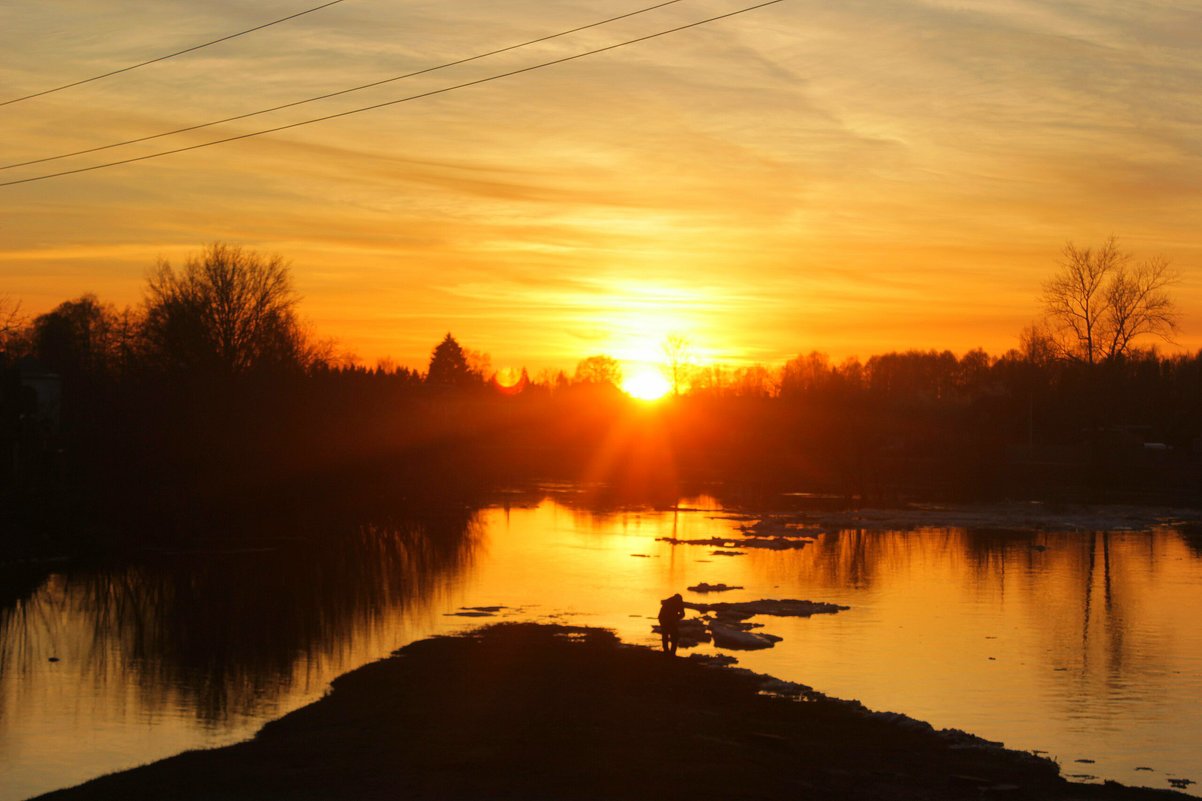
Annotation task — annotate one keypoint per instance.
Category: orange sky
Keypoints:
(852, 179)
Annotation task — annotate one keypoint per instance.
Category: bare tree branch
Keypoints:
(678, 353)
(228, 310)
(1097, 304)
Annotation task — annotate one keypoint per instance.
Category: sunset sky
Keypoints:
(850, 178)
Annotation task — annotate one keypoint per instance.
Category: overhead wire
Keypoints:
(407, 99)
(170, 55)
(329, 95)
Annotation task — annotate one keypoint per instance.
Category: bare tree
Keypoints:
(479, 363)
(11, 321)
(600, 369)
(755, 381)
(228, 310)
(714, 379)
(10, 314)
(79, 337)
(1099, 302)
(803, 374)
(678, 354)
(1139, 303)
(1037, 345)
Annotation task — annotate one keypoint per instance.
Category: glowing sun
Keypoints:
(646, 383)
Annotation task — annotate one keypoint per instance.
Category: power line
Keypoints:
(431, 93)
(341, 92)
(171, 55)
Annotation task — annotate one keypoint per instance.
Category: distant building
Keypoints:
(30, 416)
(43, 396)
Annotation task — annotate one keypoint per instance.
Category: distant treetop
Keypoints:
(449, 366)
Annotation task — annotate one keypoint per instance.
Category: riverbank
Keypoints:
(534, 711)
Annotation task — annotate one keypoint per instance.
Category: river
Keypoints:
(1079, 644)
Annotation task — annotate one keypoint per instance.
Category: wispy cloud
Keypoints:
(846, 177)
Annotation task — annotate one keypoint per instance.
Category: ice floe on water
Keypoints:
(714, 660)
(476, 611)
(1006, 516)
(785, 607)
(774, 543)
(726, 624)
(737, 639)
(704, 587)
(794, 530)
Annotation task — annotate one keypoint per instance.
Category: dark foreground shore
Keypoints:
(525, 711)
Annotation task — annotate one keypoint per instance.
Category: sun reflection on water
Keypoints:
(1079, 644)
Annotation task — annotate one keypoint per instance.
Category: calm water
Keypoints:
(1081, 645)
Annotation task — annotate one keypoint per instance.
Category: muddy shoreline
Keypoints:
(533, 711)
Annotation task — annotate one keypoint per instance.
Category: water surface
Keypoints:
(1082, 645)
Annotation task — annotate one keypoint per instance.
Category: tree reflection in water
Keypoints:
(1083, 594)
(228, 630)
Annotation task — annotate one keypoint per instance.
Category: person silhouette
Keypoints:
(671, 612)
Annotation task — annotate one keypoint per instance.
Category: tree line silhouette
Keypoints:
(213, 399)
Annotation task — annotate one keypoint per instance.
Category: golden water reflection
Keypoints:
(1078, 644)
(1083, 645)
